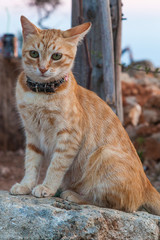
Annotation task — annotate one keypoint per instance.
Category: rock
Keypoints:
(151, 115)
(142, 79)
(140, 92)
(136, 131)
(131, 100)
(146, 130)
(152, 149)
(132, 111)
(134, 114)
(153, 102)
(26, 217)
(4, 171)
(126, 78)
(156, 136)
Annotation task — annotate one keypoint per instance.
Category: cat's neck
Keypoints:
(67, 87)
(45, 87)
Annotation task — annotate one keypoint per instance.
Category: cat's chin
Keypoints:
(43, 78)
(47, 79)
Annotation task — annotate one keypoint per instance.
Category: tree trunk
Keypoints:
(104, 47)
(81, 69)
(108, 54)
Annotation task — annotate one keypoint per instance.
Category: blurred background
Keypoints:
(139, 32)
(140, 82)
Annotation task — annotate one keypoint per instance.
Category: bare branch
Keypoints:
(45, 8)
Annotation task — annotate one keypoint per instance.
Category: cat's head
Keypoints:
(49, 54)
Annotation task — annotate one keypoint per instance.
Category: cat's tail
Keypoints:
(152, 201)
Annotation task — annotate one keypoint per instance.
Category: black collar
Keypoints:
(44, 87)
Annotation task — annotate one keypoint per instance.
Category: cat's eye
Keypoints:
(34, 54)
(56, 56)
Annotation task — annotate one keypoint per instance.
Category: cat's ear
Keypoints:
(28, 27)
(77, 33)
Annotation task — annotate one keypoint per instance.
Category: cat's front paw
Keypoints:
(42, 191)
(20, 189)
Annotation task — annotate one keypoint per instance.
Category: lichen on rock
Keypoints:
(26, 217)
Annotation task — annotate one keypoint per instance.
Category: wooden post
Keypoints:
(91, 13)
(116, 13)
(104, 47)
(108, 54)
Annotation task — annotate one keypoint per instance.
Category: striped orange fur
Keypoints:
(92, 158)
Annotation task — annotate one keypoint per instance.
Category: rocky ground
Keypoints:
(141, 103)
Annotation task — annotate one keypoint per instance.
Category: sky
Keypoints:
(140, 31)
(13, 9)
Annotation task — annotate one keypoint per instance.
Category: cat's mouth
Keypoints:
(44, 77)
(43, 74)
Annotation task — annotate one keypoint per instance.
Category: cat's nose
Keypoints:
(43, 70)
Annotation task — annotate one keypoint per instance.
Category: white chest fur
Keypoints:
(41, 119)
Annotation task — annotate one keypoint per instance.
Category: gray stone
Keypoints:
(26, 217)
(156, 136)
(151, 115)
(142, 79)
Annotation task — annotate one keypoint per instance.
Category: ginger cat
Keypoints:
(92, 158)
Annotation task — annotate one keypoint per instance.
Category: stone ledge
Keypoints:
(27, 218)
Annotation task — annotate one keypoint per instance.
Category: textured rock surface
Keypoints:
(25, 217)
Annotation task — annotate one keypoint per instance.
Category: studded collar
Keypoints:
(49, 87)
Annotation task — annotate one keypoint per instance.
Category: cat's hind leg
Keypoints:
(113, 178)
(73, 197)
